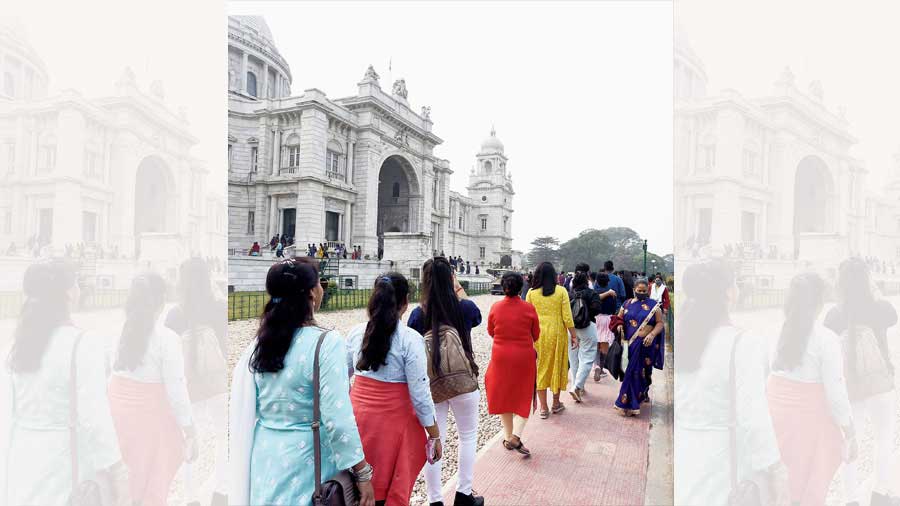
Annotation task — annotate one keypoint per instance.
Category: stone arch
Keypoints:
(398, 196)
(813, 196)
(154, 198)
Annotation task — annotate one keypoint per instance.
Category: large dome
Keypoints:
(25, 75)
(259, 25)
(492, 144)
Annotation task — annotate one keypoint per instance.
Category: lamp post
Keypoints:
(645, 255)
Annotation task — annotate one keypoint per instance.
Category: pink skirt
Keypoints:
(604, 335)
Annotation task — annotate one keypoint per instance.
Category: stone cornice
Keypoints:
(275, 57)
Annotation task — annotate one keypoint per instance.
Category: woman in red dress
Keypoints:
(512, 371)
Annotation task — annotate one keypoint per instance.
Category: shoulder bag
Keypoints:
(868, 372)
(340, 489)
(455, 375)
(108, 487)
(759, 489)
(205, 371)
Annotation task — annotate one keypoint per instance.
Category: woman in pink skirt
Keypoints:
(604, 335)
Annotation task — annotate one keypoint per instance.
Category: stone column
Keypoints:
(244, 61)
(276, 154)
(350, 159)
(348, 223)
(265, 81)
(273, 215)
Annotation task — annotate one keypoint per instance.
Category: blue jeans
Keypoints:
(581, 358)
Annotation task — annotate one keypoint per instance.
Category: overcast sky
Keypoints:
(851, 47)
(87, 44)
(580, 94)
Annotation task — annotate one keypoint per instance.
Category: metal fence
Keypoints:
(90, 300)
(246, 305)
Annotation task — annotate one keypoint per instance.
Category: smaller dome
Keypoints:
(492, 144)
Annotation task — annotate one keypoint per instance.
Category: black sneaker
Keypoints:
(439, 503)
(468, 500)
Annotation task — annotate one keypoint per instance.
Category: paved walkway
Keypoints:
(587, 455)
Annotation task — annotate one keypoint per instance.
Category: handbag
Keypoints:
(759, 489)
(455, 374)
(868, 372)
(205, 371)
(108, 487)
(340, 489)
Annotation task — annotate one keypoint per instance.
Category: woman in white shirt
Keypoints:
(148, 395)
(808, 395)
(391, 394)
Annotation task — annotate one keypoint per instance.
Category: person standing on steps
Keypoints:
(446, 317)
(511, 374)
(551, 301)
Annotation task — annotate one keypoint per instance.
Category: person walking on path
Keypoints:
(443, 304)
(586, 305)
(391, 395)
(807, 395)
(604, 334)
(271, 430)
(640, 321)
(615, 283)
(862, 319)
(720, 391)
(551, 302)
(511, 374)
(148, 396)
(47, 350)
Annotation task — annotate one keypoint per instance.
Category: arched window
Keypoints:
(251, 84)
(290, 154)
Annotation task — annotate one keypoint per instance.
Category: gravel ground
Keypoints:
(241, 332)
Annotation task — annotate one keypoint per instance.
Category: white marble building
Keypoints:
(774, 174)
(113, 173)
(359, 170)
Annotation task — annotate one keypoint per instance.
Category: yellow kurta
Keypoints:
(555, 316)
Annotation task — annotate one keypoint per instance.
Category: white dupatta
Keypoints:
(241, 426)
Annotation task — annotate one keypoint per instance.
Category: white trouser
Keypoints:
(465, 411)
(880, 411)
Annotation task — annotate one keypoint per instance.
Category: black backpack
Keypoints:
(581, 313)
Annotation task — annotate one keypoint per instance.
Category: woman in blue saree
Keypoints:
(640, 319)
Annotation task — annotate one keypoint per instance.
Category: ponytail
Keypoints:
(390, 294)
(801, 308)
(146, 299)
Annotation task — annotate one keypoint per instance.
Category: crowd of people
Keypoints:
(294, 379)
(751, 414)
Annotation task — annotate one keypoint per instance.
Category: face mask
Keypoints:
(641, 296)
(658, 282)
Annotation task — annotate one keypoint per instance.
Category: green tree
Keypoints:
(544, 249)
(622, 245)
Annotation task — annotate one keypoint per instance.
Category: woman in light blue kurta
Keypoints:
(276, 465)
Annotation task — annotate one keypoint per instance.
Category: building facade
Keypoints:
(774, 174)
(359, 170)
(112, 175)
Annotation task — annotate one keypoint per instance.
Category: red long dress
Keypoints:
(512, 371)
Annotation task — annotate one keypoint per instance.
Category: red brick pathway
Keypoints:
(587, 455)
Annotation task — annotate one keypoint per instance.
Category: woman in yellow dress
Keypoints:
(557, 333)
